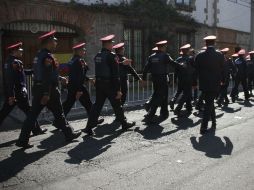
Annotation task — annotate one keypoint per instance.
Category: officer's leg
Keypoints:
(174, 99)
(85, 100)
(155, 101)
(23, 104)
(235, 90)
(200, 102)
(208, 108)
(245, 88)
(97, 106)
(124, 89)
(6, 109)
(164, 104)
(31, 118)
(189, 99)
(68, 103)
(55, 105)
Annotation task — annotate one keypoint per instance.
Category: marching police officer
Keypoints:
(209, 64)
(240, 76)
(227, 70)
(77, 76)
(158, 65)
(124, 69)
(185, 72)
(250, 66)
(107, 85)
(15, 86)
(46, 92)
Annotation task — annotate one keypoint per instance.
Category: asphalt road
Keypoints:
(169, 155)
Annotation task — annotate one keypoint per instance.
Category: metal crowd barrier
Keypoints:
(137, 95)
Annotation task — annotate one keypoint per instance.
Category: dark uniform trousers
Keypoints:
(209, 110)
(54, 104)
(250, 82)
(71, 98)
(243, 81)
(185, 98)
(223, 92)
(124, 89)
(105, 90)
(160, 95)
(22, 103)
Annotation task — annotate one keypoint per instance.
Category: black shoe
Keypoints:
(213, 125)
(233, 100)
(88, 131)
(203, 131)
(100, 121)
(127, 125)
(172, 104)
(72, 136)
(24, 145)
(39, 131)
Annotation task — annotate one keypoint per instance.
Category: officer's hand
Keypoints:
(92, 81)
(11, 100)
(119, 95)
(127, 62)
(44, 99)
(78, 95)
(64, 81)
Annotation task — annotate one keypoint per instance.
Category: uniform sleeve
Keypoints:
(169, 60)
(114, 67)
(133, 72)
(146, 69)
(9, 75)
(46, 74)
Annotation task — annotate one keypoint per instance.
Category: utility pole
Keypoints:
(252, 26)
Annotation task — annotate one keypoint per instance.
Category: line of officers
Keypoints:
(210, 67)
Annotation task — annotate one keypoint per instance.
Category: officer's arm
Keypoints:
(114, 67)
(146, 69)
(133, 72)
(169, 60)
(9, 78)
(46, 75)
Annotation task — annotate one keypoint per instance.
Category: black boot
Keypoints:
(24, 145)
(126, 125)
(39, 131)
(172, 104)
(70, 134)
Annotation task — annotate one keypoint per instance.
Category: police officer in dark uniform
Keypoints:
(179, 87)
(15, 86)
(158, 65)
(124, 69)
(46, 92)
(240, 76)
(77, 76)
(107, 85)
(209, 64)
(185, 72)
(227, 70)
(250, 66)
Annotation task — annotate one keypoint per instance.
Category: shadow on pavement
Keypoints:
(93, 146)
(212, 145)
(230, 110)
(19, 159)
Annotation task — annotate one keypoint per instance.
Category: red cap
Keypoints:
(241, 52)
(155, 49)
(117, 46)
(162, 42)
(225, 50)
(186, 46)
(251, 52)
(235, 55)
(108, 38)
(15, 46)
(48, 35)
(79, 46)
(212, 37)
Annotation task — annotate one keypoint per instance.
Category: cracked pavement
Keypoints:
(169, 155)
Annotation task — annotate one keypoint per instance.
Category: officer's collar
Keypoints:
(105, 49)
